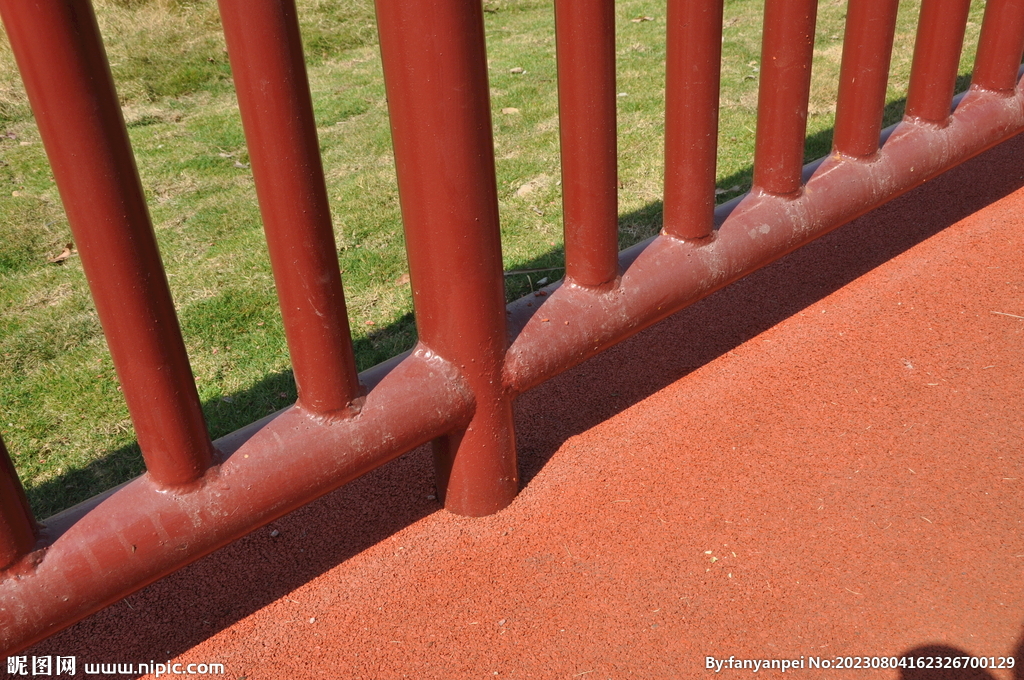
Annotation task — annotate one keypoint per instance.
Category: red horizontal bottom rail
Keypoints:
(665, 274)
(114, 544)
(118, 542)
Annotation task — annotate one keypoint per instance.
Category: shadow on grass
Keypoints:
(224, 414)
(646, 222)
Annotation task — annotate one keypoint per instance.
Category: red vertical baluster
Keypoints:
(435, 72)
(940, 39)
(867, 49)
(277, 113)
(1000, 46)
(60, 54)
(585, 36)
(784, 89)
(17, 527)
(693, 77)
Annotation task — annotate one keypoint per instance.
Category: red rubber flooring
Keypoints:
(821, 461)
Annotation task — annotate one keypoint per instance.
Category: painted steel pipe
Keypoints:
(17, 526)
(277, 114)
(58, 49)
(290, 458)
(435, 74)
(585, 44)
(692, 80)
(119, 542)
(864, 75)
(1000, 46)
(940, 40)
(783, 93)
(663, 275)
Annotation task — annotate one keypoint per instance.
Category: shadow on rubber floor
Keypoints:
(939, 656)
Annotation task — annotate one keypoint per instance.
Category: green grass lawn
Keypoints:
(61, 413)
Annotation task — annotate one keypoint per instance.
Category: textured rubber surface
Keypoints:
(821, 460)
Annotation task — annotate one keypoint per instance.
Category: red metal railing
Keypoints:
(474, 355)
(277, 115)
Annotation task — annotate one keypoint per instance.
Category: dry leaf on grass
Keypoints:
(538, 182)
(68, 251)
